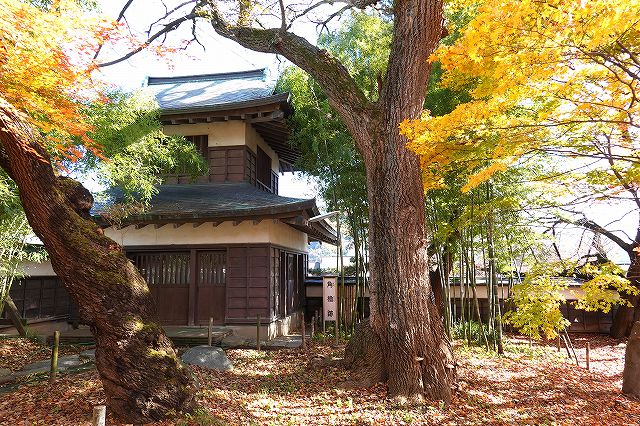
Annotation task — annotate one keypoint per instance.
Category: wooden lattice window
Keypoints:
(263, 168)
(278, 304)
(163, 269)
(202, 144)
(250, 170)
(212, 268)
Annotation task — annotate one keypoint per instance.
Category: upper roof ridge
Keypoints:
(234, 75)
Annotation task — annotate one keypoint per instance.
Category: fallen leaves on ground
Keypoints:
(526, 386)
(16, 352)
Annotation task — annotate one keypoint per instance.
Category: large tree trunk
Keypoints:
(631, 373)
(416, 354)
(626, 316)
(140, 372)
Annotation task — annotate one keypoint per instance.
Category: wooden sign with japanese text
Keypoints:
(330, 298)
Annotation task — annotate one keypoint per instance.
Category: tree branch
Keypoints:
(343, 93)
(594, 227)
(118, 19)
(166, 29)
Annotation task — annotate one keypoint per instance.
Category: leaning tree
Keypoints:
(407, 346)
(43, 74)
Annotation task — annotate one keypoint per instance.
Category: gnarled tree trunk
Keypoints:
(140, 372)
(416, 357)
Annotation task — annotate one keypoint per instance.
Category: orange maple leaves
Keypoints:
(46, 61)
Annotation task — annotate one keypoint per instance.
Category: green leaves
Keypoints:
(362, 44)
(537, 303)
(603, 290)
(138, 153)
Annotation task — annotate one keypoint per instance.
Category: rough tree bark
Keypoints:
(416, 356)
(631, 374)
(140, 372)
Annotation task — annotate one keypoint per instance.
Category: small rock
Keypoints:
(89, 355)
(234, 341)
(210, 357)
(5, 372)
(64, 363)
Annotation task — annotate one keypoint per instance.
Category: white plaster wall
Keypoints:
(574, 293)
(221, 133)
(226, 233)
(37, 269)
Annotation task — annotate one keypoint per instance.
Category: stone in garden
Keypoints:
(5, 372)
(210, 357)
(89, 355)
(64, 363)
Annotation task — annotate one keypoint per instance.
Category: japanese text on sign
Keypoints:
(329, 298)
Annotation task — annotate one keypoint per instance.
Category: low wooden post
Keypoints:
(210, 335)
(304, 337)
(54, 356)
(559, 342)
(324, 328)
(588, 356)
(99, 415)
(258, 332)
(313, 326)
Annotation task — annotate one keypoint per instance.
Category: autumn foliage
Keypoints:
(46, 61)
(540, 73)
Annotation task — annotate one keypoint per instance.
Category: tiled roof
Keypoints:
(211, 202)
(215, 200)
(210, 90)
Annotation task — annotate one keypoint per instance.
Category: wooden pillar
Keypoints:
(258, 332)
(303, 333)
(193, 282)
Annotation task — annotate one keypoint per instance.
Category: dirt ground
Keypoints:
(526, 386)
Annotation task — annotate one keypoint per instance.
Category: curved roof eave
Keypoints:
(279, 98)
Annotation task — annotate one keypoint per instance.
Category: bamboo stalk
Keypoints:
(313, 326)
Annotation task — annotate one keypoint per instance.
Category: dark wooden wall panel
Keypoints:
(41, 298)
(237, 281)
(258, 266)
(248, 283)
(232, 164)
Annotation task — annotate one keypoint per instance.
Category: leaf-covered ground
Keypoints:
(15, 352)
(526, 386)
